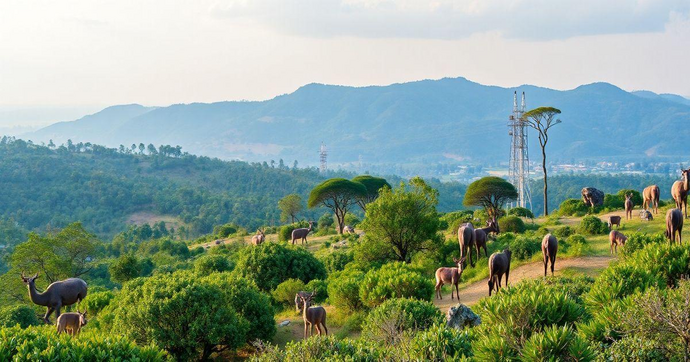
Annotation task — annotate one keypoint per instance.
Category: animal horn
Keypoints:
(23, 274)
(36, 275)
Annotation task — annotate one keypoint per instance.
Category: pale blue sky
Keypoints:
(83, 54)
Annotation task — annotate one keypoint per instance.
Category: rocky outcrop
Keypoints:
(461, 316)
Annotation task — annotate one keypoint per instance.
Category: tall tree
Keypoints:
(542, 119)
(373, 185)
(403, 220)
(491, 193)
(290, 206)
(337, 194)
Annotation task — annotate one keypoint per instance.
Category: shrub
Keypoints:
(343, 290)
(210, 322)
(572, 207)
(321, 289)
(394, 280)
(524, 247)
(576, 245)
(208, 264)
(22, 315)
(511, 224)
(285, 232)
(557, 344)
(44, 344)
(270, 264)
(124, 268)
(592, 225)
(390, 320)
(637, 241)
(619, 281)
(451, 221)
(633, 348)
(440, 343)
(95, 302)
(325, 349)
(564, 232)
(521, 212)
(224, 231)
(337, 260)
(326, 221)
(285, 292)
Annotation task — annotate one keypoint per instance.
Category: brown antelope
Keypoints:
(449, 276)
(549, 249)
(313, 316)
(302, 233)
(617, 239)
(614, 220)
(259, 238)
(71, 323)
(679, 191)
(466, 241)
(650, 195)
(57, 295)
(499, 264)
(628, 206)
(481, 236)
(674, 224)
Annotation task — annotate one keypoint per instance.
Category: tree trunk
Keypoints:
(546, 185)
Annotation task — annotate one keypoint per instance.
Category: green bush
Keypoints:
(633, 348)
(575, 245)
(192, 319)
(208, 264)
(564, 232)
(325, 349)
(572, 207)
(124, 268)
(270, 264)
(557, 344)
(95, 302)
(521, 212)
(452, 220)
(285, 232)
(637, 241)
(523, 247)
(592, 225)
(619, 281)
(511, 224)
(326, 220)
(285, 291)
(22, 315)
(343, 290)
(337, 260)
(440, 343)
(390, 320)
(224, 231)
(321, 289)
(394, 280)
(44, 344)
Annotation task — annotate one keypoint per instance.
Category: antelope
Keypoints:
(57, 295)
(481, 234)
(499, 264)
(259, 237)
(674, 224)
(679, 191)
(450, 276)
(466, 241)
(628, 206)
(614, 220)
(313, 316)
(71, 323)
(616, 238)
(302, 233)
(549, 249)
(650, 195)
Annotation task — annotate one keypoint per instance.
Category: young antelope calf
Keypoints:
(450, 276)
(71, 323)
(616, 239)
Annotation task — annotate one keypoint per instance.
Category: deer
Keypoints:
(466, 241)
(616, 238)
(481, 236)
(71, 323)
(650, 195)
(58, 294)
(313, 316)
(679, 191)
(302, 233)
(629, 205)
(614, 220)
(450, 276)
(549, 249)
(259, 238)
(674, 224)
(499, 264)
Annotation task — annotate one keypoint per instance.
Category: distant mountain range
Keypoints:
(424, 121)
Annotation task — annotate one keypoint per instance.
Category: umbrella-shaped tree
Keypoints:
(337, 194)
(491, 193)
(373, 185)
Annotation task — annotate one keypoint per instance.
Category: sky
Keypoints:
(62, 59)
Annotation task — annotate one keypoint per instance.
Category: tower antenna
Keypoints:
(518, 167)
(323, 155)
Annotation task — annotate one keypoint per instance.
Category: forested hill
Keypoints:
(43, 187)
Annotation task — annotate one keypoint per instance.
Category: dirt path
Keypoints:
(472, 293)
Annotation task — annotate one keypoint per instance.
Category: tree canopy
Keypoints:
(373, 185)
(337, 194)
(491, 193)
(290, 206)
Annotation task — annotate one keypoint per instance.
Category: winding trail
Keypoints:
(471, 294)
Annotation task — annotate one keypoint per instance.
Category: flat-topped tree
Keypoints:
(491, 193)
(542, 119)
(373, 185)
(337, 194)
(290, 206)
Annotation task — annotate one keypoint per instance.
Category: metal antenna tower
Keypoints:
(323, 153)
(518, 168)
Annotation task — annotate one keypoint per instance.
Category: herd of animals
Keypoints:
(73, 290)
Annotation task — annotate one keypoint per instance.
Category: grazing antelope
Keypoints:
(549, 249)
(302, 233)
(616, 238)
(449, 276)
(71, 323)
(628, 206)
(674, 224)
(679, 191)
(313, 316)
(614, 220)
(650, 195)
(481, 236)
(499, 264)
(466, 241)
(58, 294)
(259, 238)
